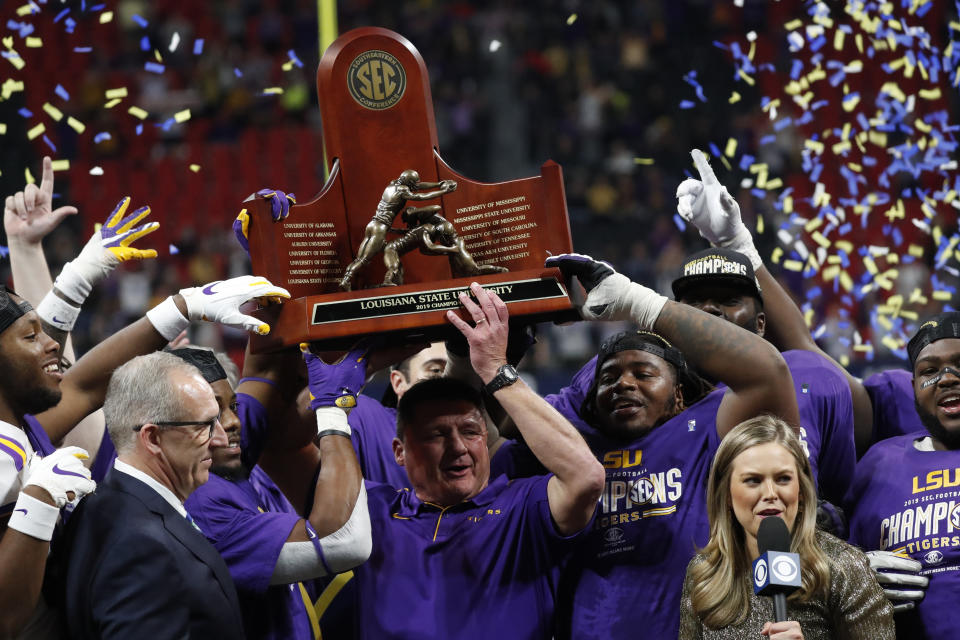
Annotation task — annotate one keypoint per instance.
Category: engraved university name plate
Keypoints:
(393, 210)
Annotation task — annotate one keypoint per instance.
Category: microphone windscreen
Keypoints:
(773, 535)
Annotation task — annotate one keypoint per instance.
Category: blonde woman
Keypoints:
(760, 471)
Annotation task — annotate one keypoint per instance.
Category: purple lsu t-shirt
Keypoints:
(249, 527)
(373, 428)
(894, 410)
(628, 575)
(908, 502)
(826, 421)
(37, 437)
(485, 568)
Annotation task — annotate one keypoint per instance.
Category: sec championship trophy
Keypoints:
(395, 234)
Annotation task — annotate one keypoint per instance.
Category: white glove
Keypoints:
(60, 472)
(610, 295)
(107, 247)
(707, 205)
(900, 575)
(220, 301)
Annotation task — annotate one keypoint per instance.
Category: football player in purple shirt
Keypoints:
(648, 421)
(905, 498)
(459, 556)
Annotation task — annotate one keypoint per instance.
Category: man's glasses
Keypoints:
(210, 424)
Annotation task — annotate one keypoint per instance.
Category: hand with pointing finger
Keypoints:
(28, 215)
(708, 206)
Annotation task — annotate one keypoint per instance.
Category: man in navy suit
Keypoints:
(136, 565)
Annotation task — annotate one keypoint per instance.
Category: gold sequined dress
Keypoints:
(855, 608)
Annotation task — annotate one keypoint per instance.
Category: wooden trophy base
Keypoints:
(408, 314)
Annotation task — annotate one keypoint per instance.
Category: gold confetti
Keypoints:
(106, 17)
(36, 131)
(731, 148)
(60, 165)
(759, 224)
(27, 9)
(571, 19)
(119, 92)
(112, 103)
(941, 295)
(273, 91)
(643, 161)
(34, 42)
(16, 60)
(52, 111)
(137, 112)
(28, 177)
(195, 168)
(734, 98)
(776, 183)
(743, 74)
(182, 116)
(3, 128)
(76, 125)
(793, 265)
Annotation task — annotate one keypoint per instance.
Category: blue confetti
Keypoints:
(198, 46)
(782, 123)
(69, 25)
(26, 113)
(49, 143)
(173, 250)
(684, 104)
(745, 161)
(4, 251)
(296, 61)
(767, 139)
(154, 67)
(102, 136)
(140, 21)
(239, 73)
(61, 14)
(139, 128)
(82, 49)
(60, 91)
(145, 43)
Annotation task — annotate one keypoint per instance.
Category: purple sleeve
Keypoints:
(38, 438)
(106, 454)
(537, 505)
(891, 393)
(248, 540)
(253, 417)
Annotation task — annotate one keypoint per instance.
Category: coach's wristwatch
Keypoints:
(506, 376)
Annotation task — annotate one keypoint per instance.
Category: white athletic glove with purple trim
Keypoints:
(707, 205)
(610, 295)
(899, 577)
(217, 302)
(60, 472)
(106, 248)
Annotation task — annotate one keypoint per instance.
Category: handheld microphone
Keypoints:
(776, 572)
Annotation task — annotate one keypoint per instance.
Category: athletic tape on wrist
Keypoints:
(34, 518)
(167, 319)
(72, 284)
(742, 242)
(332, 421)
(57, 312)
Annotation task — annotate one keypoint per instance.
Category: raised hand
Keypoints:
(220, 301)
(279, 209)
(337, 384)
(610, 295)
(707, 205)
(29, 215)
(487, 336)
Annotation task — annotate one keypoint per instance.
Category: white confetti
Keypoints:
(174, 41)
(96, 171)
(495, 45)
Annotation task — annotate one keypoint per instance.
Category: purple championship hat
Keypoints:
(716, 265)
